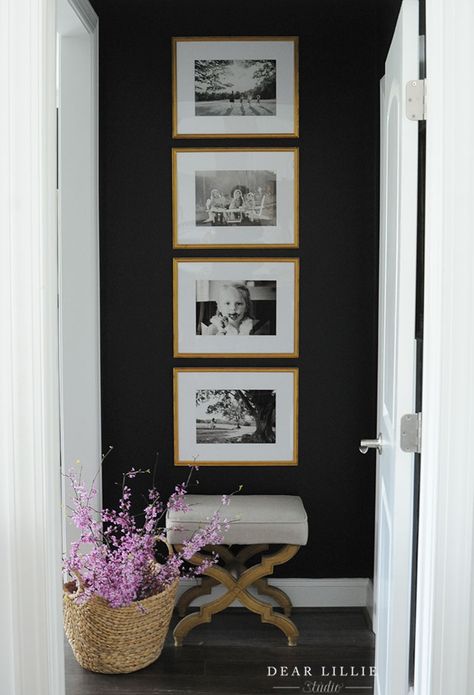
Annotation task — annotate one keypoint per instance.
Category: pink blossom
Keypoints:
(119, 563)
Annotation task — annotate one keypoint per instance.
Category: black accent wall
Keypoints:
(339, 73)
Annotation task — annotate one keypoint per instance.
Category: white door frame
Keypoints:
(31, 641)
(31, 648)
(31, 657)
(78, 248)
(445, 616)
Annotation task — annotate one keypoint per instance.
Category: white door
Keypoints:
(396, 360)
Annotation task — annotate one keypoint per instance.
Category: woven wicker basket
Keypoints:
(117, 640)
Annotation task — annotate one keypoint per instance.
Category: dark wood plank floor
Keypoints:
(233, 653)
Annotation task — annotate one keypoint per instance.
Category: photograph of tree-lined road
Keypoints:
(235, 87)
(228, 416)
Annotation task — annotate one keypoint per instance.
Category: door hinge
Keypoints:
(410, 433)
(416, 100)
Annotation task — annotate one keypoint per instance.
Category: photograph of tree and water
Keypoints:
(235, 87)
(231, 416)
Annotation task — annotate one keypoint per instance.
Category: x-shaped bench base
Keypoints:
(237, 579)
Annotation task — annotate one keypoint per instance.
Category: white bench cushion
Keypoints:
(253, 519)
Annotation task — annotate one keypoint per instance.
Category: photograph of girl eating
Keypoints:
(235, 308)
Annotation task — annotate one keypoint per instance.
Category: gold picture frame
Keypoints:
(290, 132)
(288, 234)
(284, 379)
(245, 341)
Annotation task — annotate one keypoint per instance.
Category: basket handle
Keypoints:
(166, 542)
(79, 582)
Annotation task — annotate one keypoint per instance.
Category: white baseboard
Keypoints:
(307, 593)
(370, 600)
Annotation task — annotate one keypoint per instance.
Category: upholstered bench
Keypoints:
(256, 521)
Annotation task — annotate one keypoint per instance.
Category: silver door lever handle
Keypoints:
(366, 444)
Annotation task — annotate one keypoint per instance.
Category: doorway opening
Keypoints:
(135, 263)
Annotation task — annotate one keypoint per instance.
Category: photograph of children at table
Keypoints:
(236, 198)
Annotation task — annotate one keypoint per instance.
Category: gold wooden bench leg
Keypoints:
(278, 595)
(204, 587)
(232, 562)
(262, 585)
(237, 589)
(267, 615)
(205, 613)
(249, 551)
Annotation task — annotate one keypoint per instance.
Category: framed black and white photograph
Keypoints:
(236, 307)
(235, 87)
(241, 417)
(235, 197)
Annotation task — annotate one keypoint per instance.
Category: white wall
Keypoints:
(78, 250)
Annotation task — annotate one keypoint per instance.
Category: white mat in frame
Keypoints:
(267, 434)
(273, 170)
(193, 280)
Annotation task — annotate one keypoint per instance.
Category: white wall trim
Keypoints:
(86, 14)
(370, 601)
(305, 593)
(79, 284)
(31, 651)
(444, 641)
